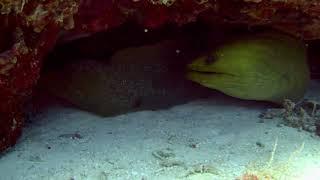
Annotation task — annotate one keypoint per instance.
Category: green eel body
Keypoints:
(133, 79)
(267, 67)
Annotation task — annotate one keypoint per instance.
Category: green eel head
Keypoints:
(266, 67)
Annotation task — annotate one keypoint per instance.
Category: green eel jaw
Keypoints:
(203, 78)
(215, 75)
(235, 84)
(205, 74)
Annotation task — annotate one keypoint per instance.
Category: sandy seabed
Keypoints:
(215, 138)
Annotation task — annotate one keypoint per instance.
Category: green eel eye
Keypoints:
(209, 59)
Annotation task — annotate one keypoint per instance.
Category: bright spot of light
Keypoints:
(310, 173)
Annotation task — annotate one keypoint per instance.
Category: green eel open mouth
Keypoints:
(207, 74)
(200, 67)
(199, 74)
(204, 71)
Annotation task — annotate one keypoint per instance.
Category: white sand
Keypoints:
(219, 134)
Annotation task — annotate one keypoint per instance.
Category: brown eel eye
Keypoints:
(209, 59)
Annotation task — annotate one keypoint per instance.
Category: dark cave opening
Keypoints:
(196, 38)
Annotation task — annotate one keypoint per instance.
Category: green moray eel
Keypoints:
(138, 78)
(265, 67)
